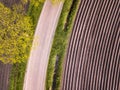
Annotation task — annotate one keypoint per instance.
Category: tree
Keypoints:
(15, 34)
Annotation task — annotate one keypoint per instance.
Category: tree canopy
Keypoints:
(15, 34)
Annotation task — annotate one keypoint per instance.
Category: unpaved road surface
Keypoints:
(39, 56)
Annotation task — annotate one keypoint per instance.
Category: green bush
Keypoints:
(15, 35)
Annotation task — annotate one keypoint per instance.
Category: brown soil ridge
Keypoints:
(92, 61)
(4, 76)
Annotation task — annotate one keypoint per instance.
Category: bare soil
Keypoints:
(4, 76)
(9, 3)
(92, 60)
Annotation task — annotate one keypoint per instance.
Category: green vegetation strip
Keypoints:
(60, 43)
(34, 10)
(17, 76)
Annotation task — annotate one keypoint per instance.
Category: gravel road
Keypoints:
(39, 56)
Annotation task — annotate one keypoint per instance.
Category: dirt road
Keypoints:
(39, 56)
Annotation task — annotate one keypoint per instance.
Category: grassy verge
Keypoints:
(17, 76)
(18, 70)
(34, 12)
(60, 44)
